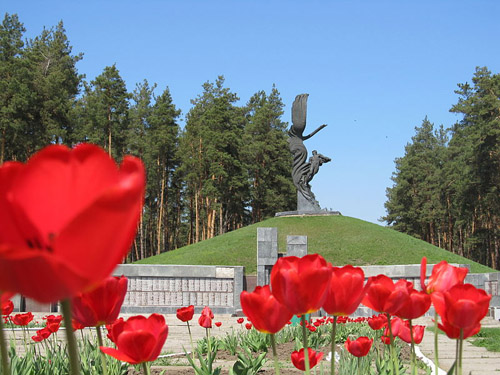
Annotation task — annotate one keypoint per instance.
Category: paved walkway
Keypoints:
(476, 360)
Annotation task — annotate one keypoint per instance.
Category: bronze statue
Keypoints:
(303, 171)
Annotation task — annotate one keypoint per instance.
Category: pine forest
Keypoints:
(228, 166)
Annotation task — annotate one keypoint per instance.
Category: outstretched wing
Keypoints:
(299, 112)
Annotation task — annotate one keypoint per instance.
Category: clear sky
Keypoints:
(374, 69)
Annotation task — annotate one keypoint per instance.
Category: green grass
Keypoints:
(488, 338)
(340, 239)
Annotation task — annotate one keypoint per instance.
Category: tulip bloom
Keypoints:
(345, 290)
(301, 283)
(240, 320)
(454, 333)
(67, 218)
(7, 307)
(76, 326)
(298, 358)
(138, 339)
(443, 276)
(205, 319)
(385, 296)
(22, 319)
(401, 329)
(42, 334)
(415, 303)
(377, 322)
(101, 305)
(109, 328)
(463, 306)
(263, 309)
(359, 347)
(185, 314)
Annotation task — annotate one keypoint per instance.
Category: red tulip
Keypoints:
(101, 305)
(263, 309)
(454, 333)
(463, 306)
(248, 326)
(401, 329)
(185, 314)
(377, 322)
(109, 327)
(53, 319)
(345, 290)
(298, 358)
(301, 283)
(207, 311)
(53, 326)
(443, 276)
(59, 213)
(22, 319)
(385, 296)
(138, 339)
(7, 307)
(76, 326)
(205, 319)
(240, 320)
(218, 324)
(415, 303)
(42, 334)
(359, 347)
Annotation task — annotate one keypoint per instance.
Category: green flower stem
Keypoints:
(304, 339)
(391, 346)
(209, 350)
(3, 348)
(359, 365)
(191, 340)
(275, 355)
(334, 331)
(103, 356)
(145, 368)
(74, 360)
(460, 351)
(436, 356)
(25, 340)
(456, 355)
(413, 356)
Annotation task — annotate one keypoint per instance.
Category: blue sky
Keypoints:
(374, 69)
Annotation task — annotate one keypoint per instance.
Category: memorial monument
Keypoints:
(304, 169)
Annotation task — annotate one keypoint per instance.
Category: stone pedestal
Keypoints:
(267, 253)
(296, 246)
(303, 205)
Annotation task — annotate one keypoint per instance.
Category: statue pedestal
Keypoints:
(305, 207)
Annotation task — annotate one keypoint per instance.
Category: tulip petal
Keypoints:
(118, 355)
(137, 345)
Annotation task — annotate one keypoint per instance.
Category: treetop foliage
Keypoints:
(227, 168)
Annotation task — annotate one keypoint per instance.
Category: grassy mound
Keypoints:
(340, 239)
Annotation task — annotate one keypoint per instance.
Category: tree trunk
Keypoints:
(160, 215)
(109, 131)
(197, 219)
(2, 147)
(141, 240)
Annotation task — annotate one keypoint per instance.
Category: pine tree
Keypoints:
(211, 163)
(103, 112)
(414, 204)
(55, 84)
(477, 139)
(266, 154)
(14, 89)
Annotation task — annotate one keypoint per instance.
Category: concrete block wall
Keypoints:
(165, 288)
